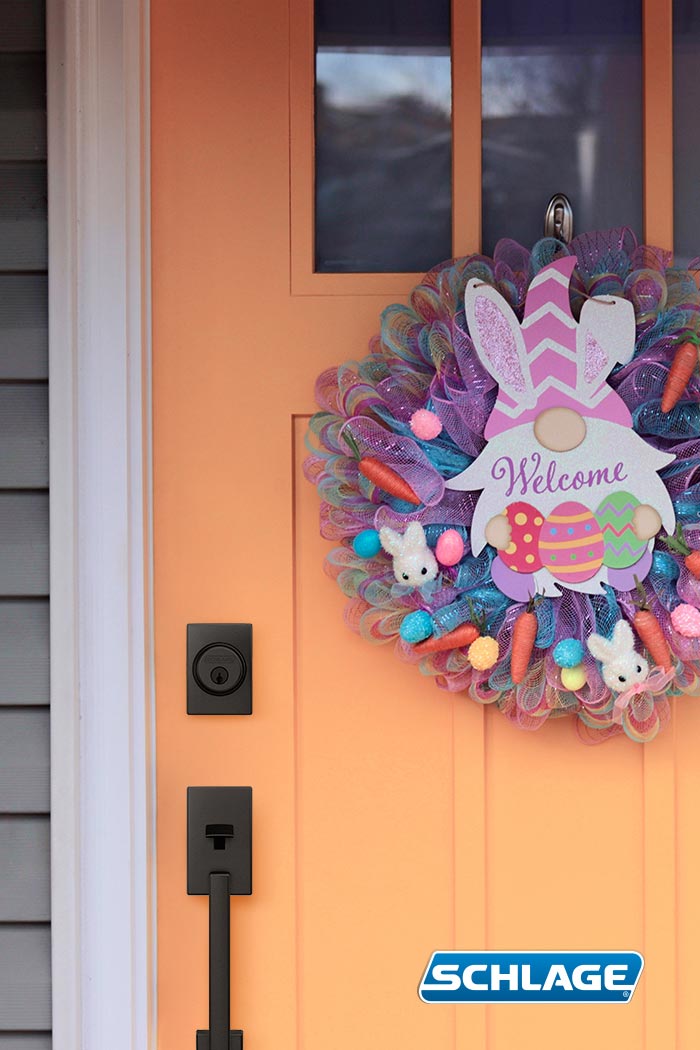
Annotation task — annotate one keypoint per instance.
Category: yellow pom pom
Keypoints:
(483, 653)
(573, 678)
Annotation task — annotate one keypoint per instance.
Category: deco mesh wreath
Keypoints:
(513, 473)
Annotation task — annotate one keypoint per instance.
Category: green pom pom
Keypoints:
(568, 653)
(367, 544)
(416, 627)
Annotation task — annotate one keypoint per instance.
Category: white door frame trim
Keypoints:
(102, 796)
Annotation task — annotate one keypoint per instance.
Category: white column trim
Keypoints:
(102, 771)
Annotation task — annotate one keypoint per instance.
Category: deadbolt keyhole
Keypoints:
(219, 676)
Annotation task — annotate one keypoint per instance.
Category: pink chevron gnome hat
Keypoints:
(550, 361)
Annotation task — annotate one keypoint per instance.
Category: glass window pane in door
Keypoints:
(562, 113)
(686, 129)
(383, 135)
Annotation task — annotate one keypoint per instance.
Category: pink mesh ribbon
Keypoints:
(656, 683)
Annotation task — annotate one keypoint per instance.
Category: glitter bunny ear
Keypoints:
(414, 538)
(499, 341)
(605, 336)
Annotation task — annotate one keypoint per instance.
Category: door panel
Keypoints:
(686, 917)
(565, 867)
(374, 820)
(390, 819)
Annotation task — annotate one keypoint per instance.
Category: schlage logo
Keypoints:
(531, 977)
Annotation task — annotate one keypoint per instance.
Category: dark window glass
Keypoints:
(562, 113)
(383, 135)
(686, 128)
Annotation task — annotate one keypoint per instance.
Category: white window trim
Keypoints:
(102, 795)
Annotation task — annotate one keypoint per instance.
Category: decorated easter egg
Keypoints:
(573, 678)
(416, 627)
(615, 514)
(367, 543)
(449, 547)
(525, 523)
(571, 543)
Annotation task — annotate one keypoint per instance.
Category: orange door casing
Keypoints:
(389, 819)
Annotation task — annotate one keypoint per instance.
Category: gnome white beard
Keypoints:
(612, 458)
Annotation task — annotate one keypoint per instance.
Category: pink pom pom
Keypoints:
(449, 548)
(425, 424)
(686, 620)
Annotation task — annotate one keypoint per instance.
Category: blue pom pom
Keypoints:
(417, 626)
(367, 544)
(568, 653)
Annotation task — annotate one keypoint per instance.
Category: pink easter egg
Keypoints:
(425, 424)
(686, 620)
(449, 547)
(571, 543)
(525, 522)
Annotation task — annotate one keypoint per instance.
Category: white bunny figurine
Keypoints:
(622, 666)
(414, 562)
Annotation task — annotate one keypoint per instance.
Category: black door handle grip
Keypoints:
(219, 852)
(219, 962)
(219, 1036)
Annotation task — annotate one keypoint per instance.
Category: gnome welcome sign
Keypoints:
(570, 494)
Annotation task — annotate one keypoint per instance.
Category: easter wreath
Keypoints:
(513, 476)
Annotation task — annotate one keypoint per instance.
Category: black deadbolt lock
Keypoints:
(219, 668)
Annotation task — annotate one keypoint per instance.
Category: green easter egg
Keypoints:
(614, 516)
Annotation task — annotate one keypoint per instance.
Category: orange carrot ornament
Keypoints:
(678, 545)
(524, 634)
(682, 367)
(381, 475)
(650, 631)
(463, 635)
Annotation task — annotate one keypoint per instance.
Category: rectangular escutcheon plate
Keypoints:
(219, 837)
(235, 1040)
(219, 669)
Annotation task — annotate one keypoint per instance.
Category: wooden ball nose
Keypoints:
(560, 429)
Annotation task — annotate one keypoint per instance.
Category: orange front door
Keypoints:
(389, 819)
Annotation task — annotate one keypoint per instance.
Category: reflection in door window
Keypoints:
(686, 129)
(383, 135)
(562, 113)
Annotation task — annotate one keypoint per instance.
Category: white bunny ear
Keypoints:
(599, 647)
(623, 639)
(498, 340)
(414, 537)
(391, 541)
(605, 336)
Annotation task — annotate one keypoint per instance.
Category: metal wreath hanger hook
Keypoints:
(559, 218)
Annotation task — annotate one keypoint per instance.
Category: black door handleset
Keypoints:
(219, 865)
